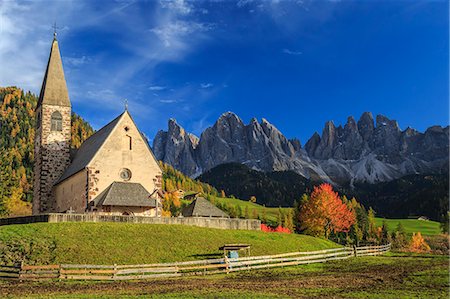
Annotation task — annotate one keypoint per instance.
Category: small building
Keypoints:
(203, 208)
(179, 193)
(126, 199)
(191, 195)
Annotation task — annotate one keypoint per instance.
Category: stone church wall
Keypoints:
(221, 223)
(71, 193)
(116, 155)
(52, 155)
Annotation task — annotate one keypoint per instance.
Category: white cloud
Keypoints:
(242, 3)
(76, 61)
(206, 85)
(179, 6)
(157, 87)
(170, 101)
(290, 52)
(172, 34)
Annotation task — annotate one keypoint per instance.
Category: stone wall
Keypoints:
(70, 194)
(52, 156)
(222, 223)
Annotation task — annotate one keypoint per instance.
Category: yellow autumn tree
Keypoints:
(14, 204)
(418, 243)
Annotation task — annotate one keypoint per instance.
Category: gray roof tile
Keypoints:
(125, 195)
(54, 88)
(203, 208)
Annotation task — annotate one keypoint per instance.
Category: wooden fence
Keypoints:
(199, 267)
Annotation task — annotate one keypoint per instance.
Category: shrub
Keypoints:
(278, 229)
(418, 243)
(439, 244)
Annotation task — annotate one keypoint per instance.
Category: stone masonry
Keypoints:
(52, 156)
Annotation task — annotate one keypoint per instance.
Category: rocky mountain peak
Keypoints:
(175, 128)
(296, 144)
(366, 126)
(357, 151)
(383, 121)
(351, 124)
(229, 117)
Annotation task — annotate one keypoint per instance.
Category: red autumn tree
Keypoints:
(324, 212)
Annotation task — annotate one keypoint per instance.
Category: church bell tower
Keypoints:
(52, 134)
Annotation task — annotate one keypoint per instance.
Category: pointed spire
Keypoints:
(54, 88)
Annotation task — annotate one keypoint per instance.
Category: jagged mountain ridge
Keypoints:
(363, 151)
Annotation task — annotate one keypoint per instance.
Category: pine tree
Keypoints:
(255, 214)
(280, 217)
(372, 225)
(246, 213)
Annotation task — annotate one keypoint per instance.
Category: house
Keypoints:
(203, 208)
(191, 195)
(114, 172)
(179, 193)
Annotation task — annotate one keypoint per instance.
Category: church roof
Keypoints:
(88, 149)
(54, 88)
(203, 208)
(125, 194)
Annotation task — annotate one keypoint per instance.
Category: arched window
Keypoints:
(56, 121)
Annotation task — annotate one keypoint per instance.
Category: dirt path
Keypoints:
(333, 279)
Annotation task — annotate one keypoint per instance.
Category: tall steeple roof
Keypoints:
(54, 88)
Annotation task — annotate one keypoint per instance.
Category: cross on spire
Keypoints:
(126, 104)
(54, 30)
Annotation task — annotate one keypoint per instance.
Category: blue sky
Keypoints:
(295, 63)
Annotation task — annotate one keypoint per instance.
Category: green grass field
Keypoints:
(426, 228)
(271, 212)
(122, 243)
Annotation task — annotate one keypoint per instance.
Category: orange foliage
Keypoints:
(325, 212)
(278, 229)
(418, 243)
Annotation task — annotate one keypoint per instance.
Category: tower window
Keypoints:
(56, 121)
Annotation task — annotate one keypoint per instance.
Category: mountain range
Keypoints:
(363, 151)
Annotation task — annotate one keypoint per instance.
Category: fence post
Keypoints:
(227, 264)
(115, 272)
(355, 250)
(21, 271)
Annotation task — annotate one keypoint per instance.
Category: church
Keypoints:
(114, 172)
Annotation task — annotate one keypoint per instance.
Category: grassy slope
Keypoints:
(121, 243)
(271, 213)
(427, 228)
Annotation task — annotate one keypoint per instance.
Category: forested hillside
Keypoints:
(174, 179)
(17, 146)
(413, 195)
(272, 188)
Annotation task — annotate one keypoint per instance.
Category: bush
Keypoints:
(439, 244)
(418, 243)
(30, 252)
